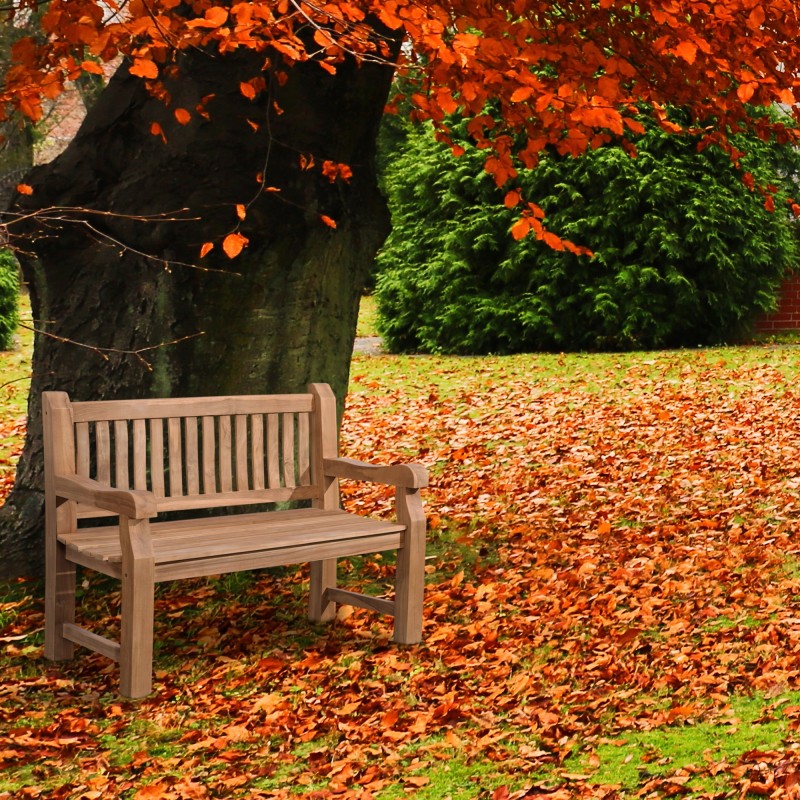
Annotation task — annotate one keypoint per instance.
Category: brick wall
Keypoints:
(787, 317)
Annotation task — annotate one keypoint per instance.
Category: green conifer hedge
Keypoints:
(9, 298)
(685, 253)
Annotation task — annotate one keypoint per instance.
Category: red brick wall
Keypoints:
(787, 317)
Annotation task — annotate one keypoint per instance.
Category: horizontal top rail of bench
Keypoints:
(169, 407)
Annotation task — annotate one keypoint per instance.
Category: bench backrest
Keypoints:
(199, 452)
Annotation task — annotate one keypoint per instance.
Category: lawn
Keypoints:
(15, 372)
(612, 608)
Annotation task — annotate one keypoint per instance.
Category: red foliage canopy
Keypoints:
(569, 74)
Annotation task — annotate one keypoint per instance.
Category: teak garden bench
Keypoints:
(133, 460)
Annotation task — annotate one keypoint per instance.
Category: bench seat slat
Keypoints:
(87, 534)
(298, 554)
(213, 537)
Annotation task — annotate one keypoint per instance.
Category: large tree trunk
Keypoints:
(280, 315)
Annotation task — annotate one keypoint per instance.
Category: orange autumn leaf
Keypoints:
(331, 223)
(215, 17)
(521, 228)
(687, 51)
(183, 116)
(157, 130)
(234, 243)
(552, 241)
(522, 94)
(745, 91)
(144, 68)
(92, 67)
(206, 249)
(24, 188)
(152, 791)
(334, 171)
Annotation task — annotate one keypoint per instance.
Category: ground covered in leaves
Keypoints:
(611, 611)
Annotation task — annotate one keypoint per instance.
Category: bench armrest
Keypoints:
(408, 476)
(132, 503)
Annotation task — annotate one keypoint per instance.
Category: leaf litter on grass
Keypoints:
(608, 558)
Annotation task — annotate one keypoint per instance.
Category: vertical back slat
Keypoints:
(102, 444)
(82, 449)
(209, 452)
(287, 449)
(192, 456)
(121, 477)
(257, 449)
(303, 450)
(225, 476)
(139, 454)
(273, 452)
(242, 480)
(175, 456)
(157, 457)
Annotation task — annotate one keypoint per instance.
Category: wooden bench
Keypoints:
(135, 460)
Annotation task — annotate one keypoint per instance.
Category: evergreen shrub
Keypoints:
(685, 253)
(9, 298)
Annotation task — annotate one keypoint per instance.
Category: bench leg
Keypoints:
(323, 576)
(410, 580)
(59, 603)
(138, 586)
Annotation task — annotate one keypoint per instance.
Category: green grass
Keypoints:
(435, 772)
(367, 316)
(633, 758)
(777, 337)
(547, 375)
(15, 381)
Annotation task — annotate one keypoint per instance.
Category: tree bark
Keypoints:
(280, 315)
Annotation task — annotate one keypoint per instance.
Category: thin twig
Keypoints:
(15, 380)
(104, 352)
(63, 214)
